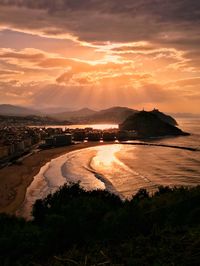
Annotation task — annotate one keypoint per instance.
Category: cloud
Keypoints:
(95, 20)
(186, 82)
(7, 72)
(79, 65)
(93, 73)
(134, 52)
(77, 96)
(24, 65)
(162, 24)
(32, 55)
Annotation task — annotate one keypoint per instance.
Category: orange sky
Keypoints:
(99, 54)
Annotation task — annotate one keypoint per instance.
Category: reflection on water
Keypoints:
(94, 126)
(121, 169)
(105, 156)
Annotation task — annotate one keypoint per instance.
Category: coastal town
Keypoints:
(16, 142)
(19, 141)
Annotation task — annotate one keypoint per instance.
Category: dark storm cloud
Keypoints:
(166, 10)
(97, 20)
(134, 37)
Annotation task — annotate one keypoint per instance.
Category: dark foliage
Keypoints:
(75, 227)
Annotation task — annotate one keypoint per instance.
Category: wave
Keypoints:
(120, 169)
(108, 185)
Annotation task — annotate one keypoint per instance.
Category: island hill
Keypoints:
(152, 124)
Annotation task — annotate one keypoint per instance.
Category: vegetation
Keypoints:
(75, 227)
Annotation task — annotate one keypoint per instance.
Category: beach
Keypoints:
(15, 179)
(165, 166)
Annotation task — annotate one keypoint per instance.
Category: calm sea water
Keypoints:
(94, 126)
(122, 169)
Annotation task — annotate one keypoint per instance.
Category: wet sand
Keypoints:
(15, 179)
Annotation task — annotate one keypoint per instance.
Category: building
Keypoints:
(79, 135)
(62, 140)
(94, 136)
(109, 136)
(49, 142)
(4, 152)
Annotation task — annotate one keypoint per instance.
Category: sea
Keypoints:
(122, 169)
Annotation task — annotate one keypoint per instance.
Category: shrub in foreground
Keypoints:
(73, 226)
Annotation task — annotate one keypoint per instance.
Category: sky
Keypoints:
(101, 53)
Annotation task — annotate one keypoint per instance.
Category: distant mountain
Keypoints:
(13, 110)
(111, 115)
(74, 115)
(85, 115)
(54, 110)
(115, 115)
(148, 124)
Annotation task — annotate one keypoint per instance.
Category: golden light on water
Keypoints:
(106, 155)
(104, 126)
(94, 126)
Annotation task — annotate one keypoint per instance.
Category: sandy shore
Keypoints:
(15, 179)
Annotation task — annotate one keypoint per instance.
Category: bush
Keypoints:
(72, 225)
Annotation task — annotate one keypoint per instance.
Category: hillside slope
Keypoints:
(13, 110)
(110, 115)
(148, 124)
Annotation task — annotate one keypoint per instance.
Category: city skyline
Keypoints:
(100, 54)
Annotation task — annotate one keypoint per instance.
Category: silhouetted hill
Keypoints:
(166, 118)
(110, 115)
(12, 110)
(54, 110)
(74, 115)
(148, 124)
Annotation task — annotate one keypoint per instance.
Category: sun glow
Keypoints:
(106, 155)
(98, 55)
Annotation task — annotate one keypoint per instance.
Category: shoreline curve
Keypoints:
(15, 179)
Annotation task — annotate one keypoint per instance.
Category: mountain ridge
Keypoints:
(14, 110)
(115, 114)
